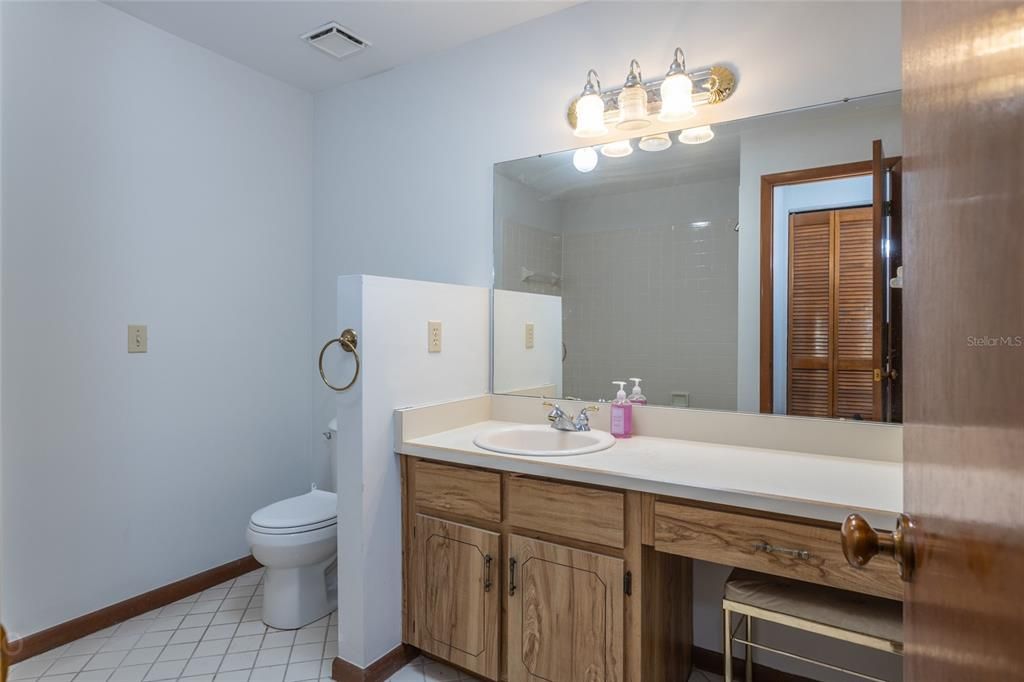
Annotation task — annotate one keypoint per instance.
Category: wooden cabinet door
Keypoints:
(456, 594)
(565, 614)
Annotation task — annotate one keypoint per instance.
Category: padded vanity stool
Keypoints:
(848, 616)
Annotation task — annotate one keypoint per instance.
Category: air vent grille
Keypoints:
(336, 40)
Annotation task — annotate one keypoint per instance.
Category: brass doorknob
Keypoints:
(861, 543)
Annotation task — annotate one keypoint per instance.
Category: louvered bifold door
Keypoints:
(810, 319)
(857, 393)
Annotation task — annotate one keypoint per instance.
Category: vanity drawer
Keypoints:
(761, 544)
(571, 511)
(470, 493)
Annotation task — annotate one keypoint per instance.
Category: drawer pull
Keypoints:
(511, 577)
(487, 576)
(772, 549)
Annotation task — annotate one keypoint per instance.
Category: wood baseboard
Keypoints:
(378, 671)
(59, 635)
(4, 663)
(714, 662)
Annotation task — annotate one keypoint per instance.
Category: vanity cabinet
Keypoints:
(457, 608)
(529, 579)
(526, 579)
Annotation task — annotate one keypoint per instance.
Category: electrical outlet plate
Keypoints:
(434, 336)
(529, 335)
(138, 338)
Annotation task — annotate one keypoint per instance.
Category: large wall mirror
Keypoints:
(757, 270)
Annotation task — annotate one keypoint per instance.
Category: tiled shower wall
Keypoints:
(645, 294)
(534, 249)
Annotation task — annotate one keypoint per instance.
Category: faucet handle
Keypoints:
(582, 421)
(556, 411)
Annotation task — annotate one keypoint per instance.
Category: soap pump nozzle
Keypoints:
(620, 396)
(636, 396)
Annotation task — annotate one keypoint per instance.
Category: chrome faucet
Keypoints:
(564, 421)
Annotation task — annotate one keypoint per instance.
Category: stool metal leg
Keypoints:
(727, 647)
(747, 649)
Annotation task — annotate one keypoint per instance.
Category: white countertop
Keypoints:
(824, 487)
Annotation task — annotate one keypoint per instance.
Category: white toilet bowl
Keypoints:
(297, 540)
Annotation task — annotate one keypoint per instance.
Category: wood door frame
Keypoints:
(768, 184)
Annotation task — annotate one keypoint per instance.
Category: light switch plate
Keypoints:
(434, 336)
(138, 338)
(529, 335)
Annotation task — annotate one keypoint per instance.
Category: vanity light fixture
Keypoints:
(585, 159)
(617, 150)
(655, 143)
(698, 135)
(633, 101)
(589, 109)
(677, 92)
(638, 104)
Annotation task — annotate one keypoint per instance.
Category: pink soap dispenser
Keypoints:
(622, 413)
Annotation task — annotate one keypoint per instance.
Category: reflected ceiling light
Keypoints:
(700, 223)
(633, 101)
(616, 150)
(655, 143)
(590, 109)
(677, 92)
(698, 135)
(585, 159)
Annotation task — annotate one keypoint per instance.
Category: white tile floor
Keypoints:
(214, 635)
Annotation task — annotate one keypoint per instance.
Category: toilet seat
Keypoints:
(292, 531)
(303, 514)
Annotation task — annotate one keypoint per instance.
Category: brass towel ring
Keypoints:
(348, 342)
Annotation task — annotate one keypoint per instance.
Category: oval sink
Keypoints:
(543, 441)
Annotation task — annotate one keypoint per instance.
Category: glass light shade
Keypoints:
(655, 143)
(585, 159)
(616, 150)
(590, 117)
(698, 135)
(633, 108)
(676, 98)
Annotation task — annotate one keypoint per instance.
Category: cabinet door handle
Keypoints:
(771, 549)
(511, 577)
(487, 574)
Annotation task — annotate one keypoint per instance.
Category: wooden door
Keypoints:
(565, 614)
(457, 594)
(963, 190)
(810, 324)
(892, 369)
(833, 328)
(857, 310)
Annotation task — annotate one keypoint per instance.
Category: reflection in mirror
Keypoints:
(652, 265)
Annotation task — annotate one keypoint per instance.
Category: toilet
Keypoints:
(297, 541)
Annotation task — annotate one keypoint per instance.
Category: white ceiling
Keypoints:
(265, 35)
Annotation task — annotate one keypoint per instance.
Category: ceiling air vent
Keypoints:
(335, 40)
